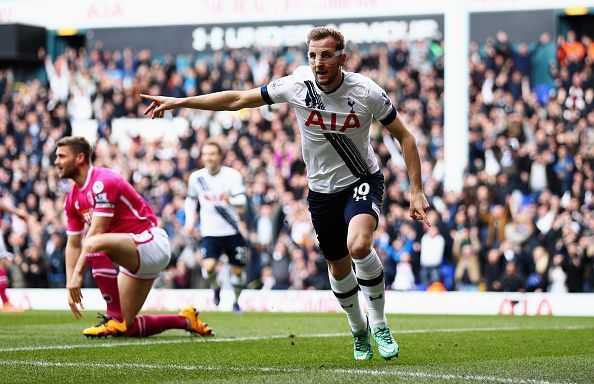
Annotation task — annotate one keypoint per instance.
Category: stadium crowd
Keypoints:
(523, 221)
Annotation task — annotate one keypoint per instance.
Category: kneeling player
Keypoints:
(122, 227)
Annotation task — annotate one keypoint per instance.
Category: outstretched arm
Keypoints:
(219, 101)
(418, 201)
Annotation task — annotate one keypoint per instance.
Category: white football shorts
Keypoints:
(153, 251)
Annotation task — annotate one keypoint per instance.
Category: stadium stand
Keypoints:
(523, 221)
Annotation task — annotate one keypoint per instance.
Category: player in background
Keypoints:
(220, 192)
(5, 260)
(122, 227)
(334, 111)
(5, 256)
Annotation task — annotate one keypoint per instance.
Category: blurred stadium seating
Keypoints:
(523, 221)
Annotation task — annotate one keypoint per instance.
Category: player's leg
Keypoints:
(236, 251)
(238, 281)
(6, 306)
(106, 278)
(119, 247)
(5, 260)
(135, 292)
(154, 256)
(3, 284)
(211, 248)
(368, 266)
(361, 213)
(152, 253)
(103, 251)
(326, 212)
(142, 257)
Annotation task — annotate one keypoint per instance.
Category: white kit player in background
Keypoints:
(220, 192)
(334, 112)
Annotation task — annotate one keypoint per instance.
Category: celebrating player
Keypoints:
(334, 111)
(220, 191)
(122, 227)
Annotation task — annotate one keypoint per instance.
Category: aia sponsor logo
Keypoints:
(332, 123)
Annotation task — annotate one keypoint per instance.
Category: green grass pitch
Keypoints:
(47, 347)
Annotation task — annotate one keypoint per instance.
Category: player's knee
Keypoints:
(359, 247)
(92, 244)
(209, 265)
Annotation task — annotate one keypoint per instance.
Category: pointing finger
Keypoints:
(148, 97)
(150, 108)
(423, 215)
(160, 108)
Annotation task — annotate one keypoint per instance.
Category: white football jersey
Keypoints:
(334, 125)
(217, 218)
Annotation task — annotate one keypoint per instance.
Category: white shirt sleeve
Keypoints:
(191, 202)
(380, 104)
(279, 90)
(193, 186)
(238, 196)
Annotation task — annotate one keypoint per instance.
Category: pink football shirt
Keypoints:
(107, 194)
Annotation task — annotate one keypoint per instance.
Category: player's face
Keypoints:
(326, 62)
(66, 162)
(212, 158)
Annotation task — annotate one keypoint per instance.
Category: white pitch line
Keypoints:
(391, 372)
(135, 342)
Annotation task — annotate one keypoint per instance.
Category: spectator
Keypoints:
(432, 250)
(468, 270)
(405, 278)
(537, 280)
(543, 59)
(35, 269)
(557, 276)
(494, 270)
(57, 265)
(512, 280)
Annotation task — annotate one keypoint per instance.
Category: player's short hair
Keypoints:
(319, 33)
(214, 143)
(77, 144)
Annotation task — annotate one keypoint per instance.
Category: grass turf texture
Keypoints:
(47, 347)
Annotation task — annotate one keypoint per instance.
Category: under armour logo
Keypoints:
(347, 306)
(378, 297)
